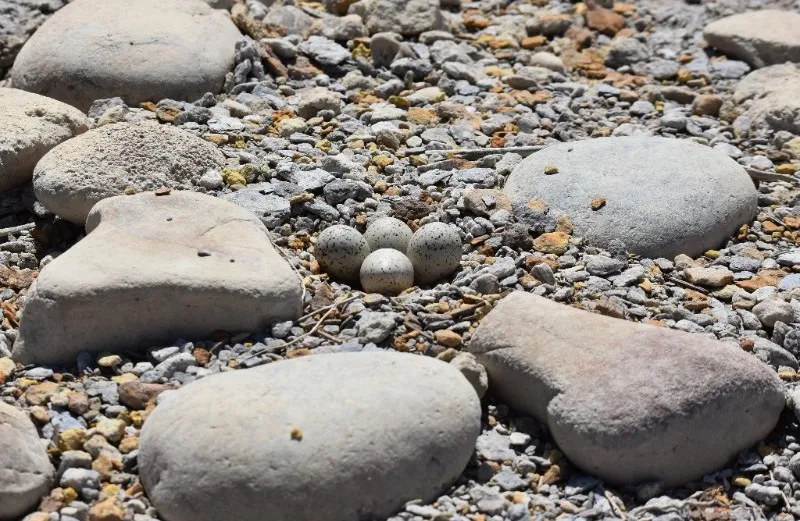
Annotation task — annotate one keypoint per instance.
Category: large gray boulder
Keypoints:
(662, 196)
(145, 50)
(775, 95)
(25, 469)
(152, 269)
(760, 38)
(342, 437)
(30, 125)
(406, 17)
(105, 161)
(628, 402)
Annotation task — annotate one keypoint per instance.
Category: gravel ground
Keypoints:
(396, 163)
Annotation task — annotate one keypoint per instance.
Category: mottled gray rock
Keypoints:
(307, 456)
(628, 402)
(147, 50)
(25, 470)
(105, 161)
(273, 210)
(775, 95)
(662, 196)
(153, 269)
(406, 17)
(30, 125)
(763, 37)
(314, 100)
(774, 310)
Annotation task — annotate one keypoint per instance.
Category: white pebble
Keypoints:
(340, 250)
(386, 271)
(435, 252)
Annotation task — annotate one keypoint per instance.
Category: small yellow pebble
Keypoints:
(550, 169)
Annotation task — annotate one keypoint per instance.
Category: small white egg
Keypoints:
(388, 232)
(340, 250)
(386, 271)
(435, 252)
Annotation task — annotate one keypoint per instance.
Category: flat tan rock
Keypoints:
(628, 402)
(153, 269)
(763, 37)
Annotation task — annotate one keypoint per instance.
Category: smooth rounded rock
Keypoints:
(25, 470)
(146, 50)
(662, 196)
(152, 269)
(105, 161)
(388, 232)
(763, 37)
(435, 252)
(30, 125)
(386, 271)
(342, 437)
(631, 403)
(340, 251)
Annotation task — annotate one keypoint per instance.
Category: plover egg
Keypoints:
(388, 232)
(340, 250)
(386, 271)
(435, 252)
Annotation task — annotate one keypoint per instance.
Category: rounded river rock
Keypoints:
(661, 196)
(305, 440)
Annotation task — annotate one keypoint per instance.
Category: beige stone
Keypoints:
(631, 403)
(153, 269)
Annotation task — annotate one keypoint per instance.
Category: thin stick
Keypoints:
(523, 150)
(313, 330)
(760, 175)
(5, 232)
(688, 285)
(614, 507)
(345, 301)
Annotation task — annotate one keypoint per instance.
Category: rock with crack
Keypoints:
(628, 402)
(152, 269)
(25, 470)
(318, 446)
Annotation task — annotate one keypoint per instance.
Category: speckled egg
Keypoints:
(435, 252)
(388, 232)
(340, 250)
(386, 271)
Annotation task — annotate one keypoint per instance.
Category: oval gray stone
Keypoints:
(153, 269)
(662, 196)
(25, 470)
(30, 125)
(146, 50)
(629, 402)
(763, 37)
(103, 162)
(347, 436)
